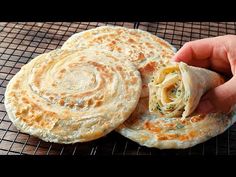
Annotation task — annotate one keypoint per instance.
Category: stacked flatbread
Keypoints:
(146, 51)
(100, 81)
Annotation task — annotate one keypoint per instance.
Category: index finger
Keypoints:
(196, 53)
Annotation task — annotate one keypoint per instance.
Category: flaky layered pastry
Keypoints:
(68, 96)
(175, 90)
(143, 49)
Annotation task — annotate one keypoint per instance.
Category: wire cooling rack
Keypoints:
(21, 42)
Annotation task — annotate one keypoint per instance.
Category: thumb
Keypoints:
(220, 99)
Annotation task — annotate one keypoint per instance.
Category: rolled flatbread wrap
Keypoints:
(176, 90)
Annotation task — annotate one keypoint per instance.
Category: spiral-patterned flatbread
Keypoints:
(143, 49)
(69, 96)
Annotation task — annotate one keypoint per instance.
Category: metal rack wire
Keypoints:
(20, 42)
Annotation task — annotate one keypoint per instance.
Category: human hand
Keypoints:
(217, 54)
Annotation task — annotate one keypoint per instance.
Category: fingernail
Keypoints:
(204, 107)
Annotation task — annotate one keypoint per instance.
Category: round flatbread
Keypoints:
(172, 133)
(140, 47)
(69, 96)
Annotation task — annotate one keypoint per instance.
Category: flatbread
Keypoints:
(172, 133)
(172, 130)
(140, 47)
(177, 89)
(69, 96)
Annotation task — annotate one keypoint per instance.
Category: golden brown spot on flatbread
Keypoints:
(122, 73)
(119, 68)
(50, 114)
(98, 103)
(101, 38)
(90, 102)
(16, 85)
(38, 74)
(86, 34)
(33, 105)
(25, 100)
(149, 68)
(37, 118)
(54, 85)
(114, 47)
(34, 116)
(63, 71)
(23, 92)
(184, 121)
(22, 111)
(170, 125)
(135, 34)
(107, 76)
(114, 58)
(167, 137)
(183, 137)
(71, 104)
(119, 32)
(37, 81)
(162, 43)
(51, 98)
(72, 65)
(42, 124)
(100, 67)
(80, 105)
(149, 45)
(61, 102)
(144, 138)
(192, 134)
(151, 127)
(133, 80)
(118, 49)
(141, 56)
(131, 40)
(95, 134)
(197, 118)
(12, 94)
